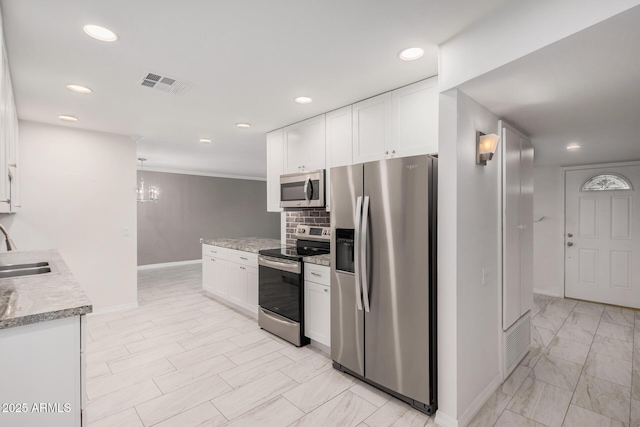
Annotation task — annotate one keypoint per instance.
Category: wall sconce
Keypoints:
(485, 147)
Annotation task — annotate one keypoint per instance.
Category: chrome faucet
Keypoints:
(10, 245)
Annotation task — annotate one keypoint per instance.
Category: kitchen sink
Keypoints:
(30, 269)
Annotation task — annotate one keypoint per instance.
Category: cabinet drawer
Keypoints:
(244, 258)
(214, 251)
(317, 274)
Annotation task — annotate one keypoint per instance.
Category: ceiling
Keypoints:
(584, 89)
(244, 61)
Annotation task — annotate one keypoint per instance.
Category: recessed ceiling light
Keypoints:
(411, 54)
(303, 100)
(68, 118)
(205, 140)
(100, 33)
(79, 89)
(243, 125)
(573, 147)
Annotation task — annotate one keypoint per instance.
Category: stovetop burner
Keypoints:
(295, 252)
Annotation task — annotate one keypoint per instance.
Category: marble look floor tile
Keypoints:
(97, 370)
(346, 409)
(515, 380)
(585, 321)
(275, 413)
(624, 333)
(370, 393)
(140, 359)
(255, 369)
(254, 394)
(575, 333)
(110, 383)
(558, 308)
(160, 331)
(107, 355)
(249, 338)
(566, 349)
(635, 379)
(114, 340)
(532, 357)
(388, 414)
(608, 368)
(313, 393)
(297, 353)
(541, 402)
(511, 419)
(635, 413)
(547, 321)
(151, 343)
(413, 418)
(541, 336)
(202, 415)
(247, 354)
(127, 418)
(580, 417)
(491, 410)
(192, 373)
(191, 357)
(591, 308)
(178, 401)
(210, 337)
(557, 372)
(612, 347)
(307, 368)
(122, 399)
(619, 316)
(604, 397)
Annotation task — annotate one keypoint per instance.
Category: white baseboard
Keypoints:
(169, 264)
(549, 292)
(465, 419)
(114, 308)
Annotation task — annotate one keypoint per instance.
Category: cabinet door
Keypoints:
(5, 84)
(314, 156)
(339, 137)
(252, 289)
(317, 312)
(208, 273)
(415, 118)
(237, 284)
(372, 128)
(274, 169)
(295, 147)
(219, 276)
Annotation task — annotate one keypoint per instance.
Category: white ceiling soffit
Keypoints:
(582, 90)
(245, 61)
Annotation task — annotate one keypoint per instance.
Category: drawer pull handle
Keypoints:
(326, 290)
(316, 274)
(246, 259)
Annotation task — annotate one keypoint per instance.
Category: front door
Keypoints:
(602, 235)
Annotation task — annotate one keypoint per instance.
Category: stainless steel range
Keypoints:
(281, 283)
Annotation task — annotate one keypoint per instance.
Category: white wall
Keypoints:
(548, 241)
(516, 29)
(78, 196)
(469, 313)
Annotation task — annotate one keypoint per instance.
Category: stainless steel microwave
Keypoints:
(302, 190)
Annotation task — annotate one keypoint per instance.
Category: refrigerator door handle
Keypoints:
(363, 254)
(356, 252)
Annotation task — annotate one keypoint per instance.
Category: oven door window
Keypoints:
(280, 292)
(294, 191)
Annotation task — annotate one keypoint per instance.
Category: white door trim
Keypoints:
(563, 171)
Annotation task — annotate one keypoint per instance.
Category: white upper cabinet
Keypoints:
(339, 135)
(274, 169)
(304, 145)
(415, 118)
(372, 122)
(8, 140)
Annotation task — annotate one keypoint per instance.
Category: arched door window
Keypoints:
(607, 182)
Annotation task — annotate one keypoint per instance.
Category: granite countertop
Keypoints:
(319, 259)
(38, 298)
(246, 244)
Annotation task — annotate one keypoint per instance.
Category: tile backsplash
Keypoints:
(319, 217)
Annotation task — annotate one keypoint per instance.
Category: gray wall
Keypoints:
(192, 207)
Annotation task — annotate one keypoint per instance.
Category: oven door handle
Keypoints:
(291, 267)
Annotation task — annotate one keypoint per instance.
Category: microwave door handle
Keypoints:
(307, 184)
(356, 253)
(363, 254)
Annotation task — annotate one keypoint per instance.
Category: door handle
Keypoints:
(356, 252)
(363, 254)
(569, 243)
(570, 235)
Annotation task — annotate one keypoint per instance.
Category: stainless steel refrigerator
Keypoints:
(383, 276)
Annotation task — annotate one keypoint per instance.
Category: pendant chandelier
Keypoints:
(144, 195)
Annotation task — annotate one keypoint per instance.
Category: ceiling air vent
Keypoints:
(163, 83)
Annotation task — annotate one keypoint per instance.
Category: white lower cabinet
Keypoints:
(231, 277)
(317, 304)
(42, 374)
